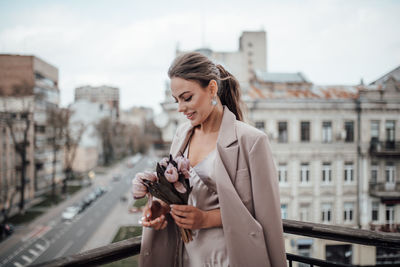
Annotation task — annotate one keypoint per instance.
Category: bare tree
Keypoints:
(105, 131)
(17, 115)
(73, 136)
(56, 123)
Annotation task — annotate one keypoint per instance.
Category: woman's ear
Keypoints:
(213, 87)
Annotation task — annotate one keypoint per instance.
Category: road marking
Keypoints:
(40, 247)
(64, 249)
(17, 264)
(33, 252)
(28, 260)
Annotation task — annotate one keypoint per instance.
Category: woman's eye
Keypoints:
(188, 99)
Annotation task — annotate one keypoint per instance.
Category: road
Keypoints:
(58, 238)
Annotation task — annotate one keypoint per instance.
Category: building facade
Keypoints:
(31, 76)
(105, 95)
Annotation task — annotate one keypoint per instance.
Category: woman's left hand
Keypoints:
(188, 217)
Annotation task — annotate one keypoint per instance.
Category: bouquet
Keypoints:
(170, 183)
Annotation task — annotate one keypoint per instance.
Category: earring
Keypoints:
(214, 101)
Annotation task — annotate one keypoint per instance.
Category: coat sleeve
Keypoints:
(266, 200)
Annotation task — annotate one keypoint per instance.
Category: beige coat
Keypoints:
(248, 194)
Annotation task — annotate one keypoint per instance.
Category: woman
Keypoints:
(234, 208)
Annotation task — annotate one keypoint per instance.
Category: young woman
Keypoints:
(234, 206)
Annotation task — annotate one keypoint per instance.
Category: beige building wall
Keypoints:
(85, 160)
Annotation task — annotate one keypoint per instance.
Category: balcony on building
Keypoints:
(388, 148)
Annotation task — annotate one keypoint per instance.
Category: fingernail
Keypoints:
(147, 215)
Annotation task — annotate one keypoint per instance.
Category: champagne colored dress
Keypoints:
(208, 246)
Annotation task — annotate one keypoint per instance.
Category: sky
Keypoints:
(130, 44)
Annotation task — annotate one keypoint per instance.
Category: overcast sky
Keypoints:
(130, 44)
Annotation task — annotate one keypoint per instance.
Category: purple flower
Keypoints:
(179, 187)
(139, 190)
(171, 173)
(164, 162)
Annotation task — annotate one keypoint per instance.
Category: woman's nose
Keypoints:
(181, 107)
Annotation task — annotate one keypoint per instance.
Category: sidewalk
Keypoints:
(120, 216)
(24, 232)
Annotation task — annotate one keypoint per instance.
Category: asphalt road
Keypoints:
(59, 238)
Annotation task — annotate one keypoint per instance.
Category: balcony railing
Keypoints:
(130, 247)
(385, 148)
(385, 190)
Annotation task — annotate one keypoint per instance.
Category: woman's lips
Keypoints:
(189, 116)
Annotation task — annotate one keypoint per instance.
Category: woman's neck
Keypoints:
(213, 122)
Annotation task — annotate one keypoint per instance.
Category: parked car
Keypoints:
(70, 213)
(116, 177)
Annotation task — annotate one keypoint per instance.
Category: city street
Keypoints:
(56, 238)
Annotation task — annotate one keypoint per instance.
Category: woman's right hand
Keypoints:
(154, 216)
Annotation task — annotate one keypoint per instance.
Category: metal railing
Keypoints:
(384, 148)
(130, 247)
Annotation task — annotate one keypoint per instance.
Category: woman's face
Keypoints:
(193, 100)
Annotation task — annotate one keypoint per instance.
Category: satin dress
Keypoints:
(208, 246)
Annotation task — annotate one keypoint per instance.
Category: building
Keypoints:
(336, 151)
(105, 95)
(31, 76)
(85, 116)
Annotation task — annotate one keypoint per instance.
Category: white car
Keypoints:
(70, 213)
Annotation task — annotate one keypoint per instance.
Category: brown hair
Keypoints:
(197, 67)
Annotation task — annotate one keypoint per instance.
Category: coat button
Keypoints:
(252, 234)
(147, 253)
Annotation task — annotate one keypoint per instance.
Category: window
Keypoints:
(326, 212)
(282, 132)
(375, 211)
(348, 212)
(304, 250)
(304, 173)
(374, 131)
(326, 173)
(282, 173)
(326, 131)
(389, 214)
(349, 129)
(305, 131)
(390, 173)
(304, 212)
(374, 172)
(390, 134)
(260, 125)
(284, 211)
(339, 253)
(348, 172)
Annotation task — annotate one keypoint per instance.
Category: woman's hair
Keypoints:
(197, 67)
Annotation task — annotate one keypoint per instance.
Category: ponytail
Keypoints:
(197, 67)
(229, 92)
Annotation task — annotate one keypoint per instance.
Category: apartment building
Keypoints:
(31, 76)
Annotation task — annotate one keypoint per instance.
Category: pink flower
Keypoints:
(164, 162)
(139, 190)
(179, 187)
(171, 173)
(151, 176)
(183, 163)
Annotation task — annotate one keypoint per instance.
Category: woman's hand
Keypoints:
(190, 217)
(155, 216)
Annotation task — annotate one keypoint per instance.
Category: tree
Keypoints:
(105, 131)
(56, 123)
(73, 136)
(17, 115)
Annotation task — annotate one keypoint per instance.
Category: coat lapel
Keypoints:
(227, 145)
